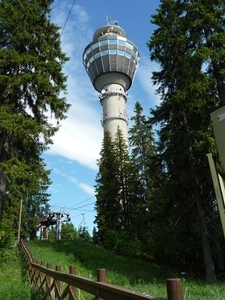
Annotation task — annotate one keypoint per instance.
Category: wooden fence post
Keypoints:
(101, 277)
(48, 281)
(72, 288)
(174, 289)
(57, 284)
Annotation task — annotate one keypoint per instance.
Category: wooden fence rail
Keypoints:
(50, 283)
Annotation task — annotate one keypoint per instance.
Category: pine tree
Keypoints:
(31, 80)
(107, 193)
(142, 145)
(188, 45)
(127, 183)
(115, 194)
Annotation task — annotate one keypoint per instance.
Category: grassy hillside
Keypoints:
(130, 273)
(13, 283)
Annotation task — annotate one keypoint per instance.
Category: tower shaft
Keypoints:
(113, 100)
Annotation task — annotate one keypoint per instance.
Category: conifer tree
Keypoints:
(142, 146)
(107, 190)
(31, 80)
(116, 198)
(188, 46)
(127, 184)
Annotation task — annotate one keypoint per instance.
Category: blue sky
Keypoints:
(72, 158)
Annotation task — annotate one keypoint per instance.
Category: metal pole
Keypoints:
(58, 226)
(20, 218)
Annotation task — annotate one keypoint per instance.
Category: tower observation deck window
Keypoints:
(105, 52)
(94, 46)
(112, 51)
(135, 50)
(130, 46)
(102, 43)
(121, 43)
(121, 52)
(97, 55)
(113, 41)
(88, 50)
(128, 55)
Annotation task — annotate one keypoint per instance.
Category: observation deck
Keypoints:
(111, 58)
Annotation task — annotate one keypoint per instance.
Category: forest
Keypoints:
(155, 198)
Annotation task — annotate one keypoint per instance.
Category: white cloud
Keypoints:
(73, 179)
(86, 188)
(80, 135)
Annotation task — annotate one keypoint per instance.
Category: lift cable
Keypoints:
(68, 16)
(76, 208)
(70, 208)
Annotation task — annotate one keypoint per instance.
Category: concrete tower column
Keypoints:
(111, 61)
(113, 100)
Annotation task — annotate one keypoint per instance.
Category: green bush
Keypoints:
(6, 239)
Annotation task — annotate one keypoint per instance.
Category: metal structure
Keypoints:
(111, 61)
(217, 166)
(52, 218)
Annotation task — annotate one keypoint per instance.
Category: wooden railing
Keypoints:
(50, 283)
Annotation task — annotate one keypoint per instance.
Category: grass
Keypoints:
(130, 273)
(13, 284)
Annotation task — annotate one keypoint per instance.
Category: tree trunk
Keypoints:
(4, 155)
(219, 252)
(2, 191)
(209, 265)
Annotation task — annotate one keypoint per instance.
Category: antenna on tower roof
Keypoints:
(108, 20)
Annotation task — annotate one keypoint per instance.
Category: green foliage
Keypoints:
(188, 46)
(6, 236)
(84, 234)
(116, 184)
(7, 242)
(52, 234)
(68, 232)
(143, 155)
(32, 85)
(107, 190)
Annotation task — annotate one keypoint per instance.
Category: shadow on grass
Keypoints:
(92, 257)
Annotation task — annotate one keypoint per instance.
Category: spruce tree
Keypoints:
(142, 148)
(115, 194)
(31, 82)
(188, 46)
(127, 184)
(107, 193)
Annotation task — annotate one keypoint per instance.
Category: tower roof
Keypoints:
(109, 29)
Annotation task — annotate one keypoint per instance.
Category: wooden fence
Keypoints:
(50, 283)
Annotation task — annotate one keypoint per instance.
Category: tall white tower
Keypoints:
(111, 61)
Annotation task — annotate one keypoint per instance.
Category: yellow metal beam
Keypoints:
(218, 177)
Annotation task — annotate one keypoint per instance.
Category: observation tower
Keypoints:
(111, 61)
